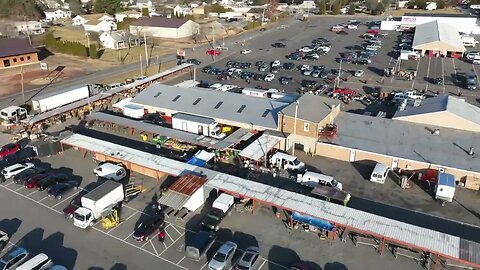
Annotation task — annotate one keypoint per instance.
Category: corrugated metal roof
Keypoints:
(402, 232)
(163, 131)
(245, 111)
(42, 116)
(260, 147)
(188, 184)
(174, 199)
(440, 35)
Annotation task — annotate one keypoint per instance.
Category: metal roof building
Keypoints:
(225, 107)
(408, 140)
(437, 36)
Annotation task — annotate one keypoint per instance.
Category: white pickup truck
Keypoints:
(412, 95)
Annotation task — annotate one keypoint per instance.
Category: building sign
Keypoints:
(409, 19)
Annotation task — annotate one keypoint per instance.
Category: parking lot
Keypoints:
(37, 223)
(299, 34)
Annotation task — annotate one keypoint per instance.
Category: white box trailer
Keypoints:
(197, 124)
(98, 202)
(133, 111)
(55, 100)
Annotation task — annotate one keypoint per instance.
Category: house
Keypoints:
(16, 52)
(118, 40)
(179, 10)
(431, 6)
(312, 114)
(164, 27)
(119, 16)
(29, 27)
(53, 14)
(145, 4)
(95, 22)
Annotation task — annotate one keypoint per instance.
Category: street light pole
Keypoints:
(295, 128)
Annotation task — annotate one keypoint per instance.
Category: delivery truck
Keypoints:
(97, 203)
(198, 125)
(50, 101)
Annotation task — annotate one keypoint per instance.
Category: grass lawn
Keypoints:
(401, 12)
(150, 71)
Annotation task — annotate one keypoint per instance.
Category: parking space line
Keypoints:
(137, 247)
(124, 239)
(67, 198)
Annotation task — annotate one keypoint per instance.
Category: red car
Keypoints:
(9, 149)
(213, 52)
(32, 182)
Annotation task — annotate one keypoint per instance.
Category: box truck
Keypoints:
(97, 203)
(198, 125)
(57, 99)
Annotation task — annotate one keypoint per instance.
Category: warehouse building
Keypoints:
(256, 113)
(437, 38)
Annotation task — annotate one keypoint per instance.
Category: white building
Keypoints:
(133, 14)
(164, 27)
(57, 13)
(95, 22)
(118, 40)
(182, 10)
(29, 27)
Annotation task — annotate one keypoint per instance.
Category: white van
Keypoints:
(312, 179)
(286, 161)
(110, 171)
(380, 173)
(39, 262)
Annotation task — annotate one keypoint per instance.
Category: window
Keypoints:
(241, 108)
(196, 101)
(28, 57)
(14, 60)
(218, 104)
(22, 59)
(306, 127)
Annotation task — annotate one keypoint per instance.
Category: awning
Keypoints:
(260, 147)
(173, 199)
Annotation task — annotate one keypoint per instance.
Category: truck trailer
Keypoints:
(198, 125)
(97, 203)
(57, 99)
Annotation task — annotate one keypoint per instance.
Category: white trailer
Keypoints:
(133, 111)
(198, 125)
(97, 203)
(55, 100)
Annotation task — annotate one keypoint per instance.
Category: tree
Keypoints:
(351, 9)
(145, 12)
(75, 7)
(440, 4)
(322, 7)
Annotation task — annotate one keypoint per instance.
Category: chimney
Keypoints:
(436, 132)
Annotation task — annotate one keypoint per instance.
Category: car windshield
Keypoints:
(220, 257)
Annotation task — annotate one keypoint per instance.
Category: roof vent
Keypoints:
(436, 132)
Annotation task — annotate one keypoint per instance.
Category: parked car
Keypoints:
(56, 191)
(74, 204)
(223, 255)
(14, 258)
(9, 149)
(20, 178)
(246, 51)
(145, 228)
(194, 61)
(51, 180)
(249, 260)
(15, 169)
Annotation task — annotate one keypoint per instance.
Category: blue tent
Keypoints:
(322, 224)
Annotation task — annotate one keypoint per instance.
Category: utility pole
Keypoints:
(146, 49)
(23, 90)
(28, 30)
